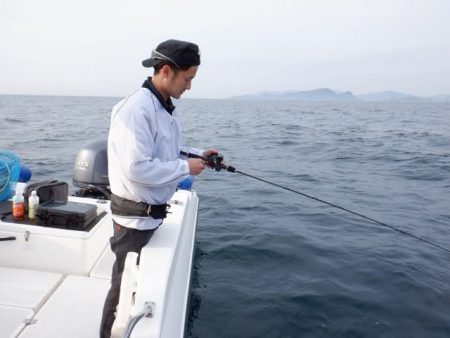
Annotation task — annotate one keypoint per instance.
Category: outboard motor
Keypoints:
(90, 172)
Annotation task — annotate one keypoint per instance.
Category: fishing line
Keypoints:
(215, 161)
(344, 209)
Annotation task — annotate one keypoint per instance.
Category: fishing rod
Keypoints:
(215, 161)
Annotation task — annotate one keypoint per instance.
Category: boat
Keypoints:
(54, 280)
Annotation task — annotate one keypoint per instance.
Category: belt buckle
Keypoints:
(149, 209)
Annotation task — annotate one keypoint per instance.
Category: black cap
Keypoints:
(179, 53)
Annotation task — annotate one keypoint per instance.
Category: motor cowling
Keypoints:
(91, 166)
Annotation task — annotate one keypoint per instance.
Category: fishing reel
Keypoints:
(215, 161)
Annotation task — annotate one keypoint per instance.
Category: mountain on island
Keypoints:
(326, 94)
(320, 94)
(388, 95)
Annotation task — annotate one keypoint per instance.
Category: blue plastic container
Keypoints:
(187, 183)
(25, 174)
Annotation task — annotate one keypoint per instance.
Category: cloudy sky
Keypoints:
(95, 47)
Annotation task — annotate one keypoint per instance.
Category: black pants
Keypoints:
(123, 241)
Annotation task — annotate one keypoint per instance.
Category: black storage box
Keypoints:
(48, 190)
(67, 215)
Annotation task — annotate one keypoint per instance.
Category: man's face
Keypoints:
(181, 81)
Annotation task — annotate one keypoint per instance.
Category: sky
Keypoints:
(95, 47)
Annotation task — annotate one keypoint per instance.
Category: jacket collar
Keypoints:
(168, 105)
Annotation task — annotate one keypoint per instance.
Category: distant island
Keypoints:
(326, 94)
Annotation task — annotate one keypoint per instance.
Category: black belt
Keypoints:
(123, 207)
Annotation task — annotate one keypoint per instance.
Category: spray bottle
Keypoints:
(18, 206)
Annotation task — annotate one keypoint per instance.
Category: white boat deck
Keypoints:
(43, 304)
(53, 282)
(22, 294)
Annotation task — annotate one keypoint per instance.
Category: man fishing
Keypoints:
(144, 161)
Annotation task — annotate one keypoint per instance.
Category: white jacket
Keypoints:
(144, 144)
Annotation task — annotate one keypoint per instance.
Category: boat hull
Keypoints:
(45, 272)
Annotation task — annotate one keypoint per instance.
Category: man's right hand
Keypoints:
(196, 166)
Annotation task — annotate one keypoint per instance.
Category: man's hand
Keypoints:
(208, 152)
(196, 166)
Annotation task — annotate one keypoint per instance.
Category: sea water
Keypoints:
(270, 263)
